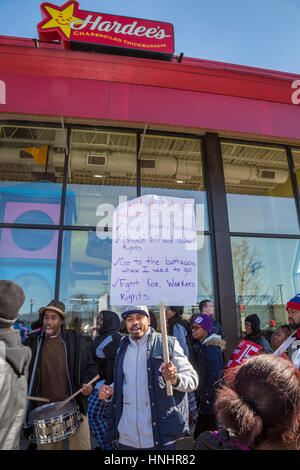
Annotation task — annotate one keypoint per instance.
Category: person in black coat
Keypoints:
(208, 361)
(104, 349)
(61, 364)
(254, 333)
(106, 343)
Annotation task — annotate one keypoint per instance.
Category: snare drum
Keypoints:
(53, 422)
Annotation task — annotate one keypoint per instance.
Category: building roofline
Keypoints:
(185, 61)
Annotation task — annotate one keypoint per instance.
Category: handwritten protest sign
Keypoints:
(154, 256)
(154, 252)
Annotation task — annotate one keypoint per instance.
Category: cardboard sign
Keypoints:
(154, 252)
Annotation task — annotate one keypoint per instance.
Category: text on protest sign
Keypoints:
(154, 252)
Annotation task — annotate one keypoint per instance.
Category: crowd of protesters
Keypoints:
(138, 401)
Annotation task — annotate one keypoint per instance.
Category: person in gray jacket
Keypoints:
(14, 362)
(143, 415)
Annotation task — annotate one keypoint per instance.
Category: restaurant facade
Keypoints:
(84, 128)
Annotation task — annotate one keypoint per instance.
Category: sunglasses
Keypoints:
(196, 327)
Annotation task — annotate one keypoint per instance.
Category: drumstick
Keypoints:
(46, 400)
(163, 327)
(78, 391)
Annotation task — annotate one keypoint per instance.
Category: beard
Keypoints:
(294, 324)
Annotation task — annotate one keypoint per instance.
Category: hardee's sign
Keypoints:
(70, 24)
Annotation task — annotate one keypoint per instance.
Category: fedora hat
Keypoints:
(56, 306)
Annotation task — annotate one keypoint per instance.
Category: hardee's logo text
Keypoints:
(69, 23)
(108, 26)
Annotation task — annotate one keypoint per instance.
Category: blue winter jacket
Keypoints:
(167, 420)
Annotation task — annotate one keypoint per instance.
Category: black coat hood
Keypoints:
(111, 322)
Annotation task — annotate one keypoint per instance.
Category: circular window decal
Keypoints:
(33, 239)
(34, 298)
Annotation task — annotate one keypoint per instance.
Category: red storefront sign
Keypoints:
(71, 25)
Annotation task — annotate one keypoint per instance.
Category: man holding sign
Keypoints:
(154, 252)
(154, 262)
(144, 415)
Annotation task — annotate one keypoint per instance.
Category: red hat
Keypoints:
(294, 303)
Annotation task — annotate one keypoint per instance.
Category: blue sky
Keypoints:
(258, 33)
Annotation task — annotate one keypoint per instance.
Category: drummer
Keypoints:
(64, 365)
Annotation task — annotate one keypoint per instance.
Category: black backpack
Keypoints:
(219, 440)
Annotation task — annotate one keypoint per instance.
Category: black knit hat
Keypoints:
(12, 298)
(254, 322)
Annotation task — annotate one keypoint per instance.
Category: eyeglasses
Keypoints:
(196, 327)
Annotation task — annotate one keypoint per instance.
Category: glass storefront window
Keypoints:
(85, 276)
(259, 191)
(28, 257)
(102, 173)
(31, 172)
(205, 273)
(296, 159)
(266, 276)
(172, 166)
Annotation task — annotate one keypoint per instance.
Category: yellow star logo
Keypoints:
(61, 19)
